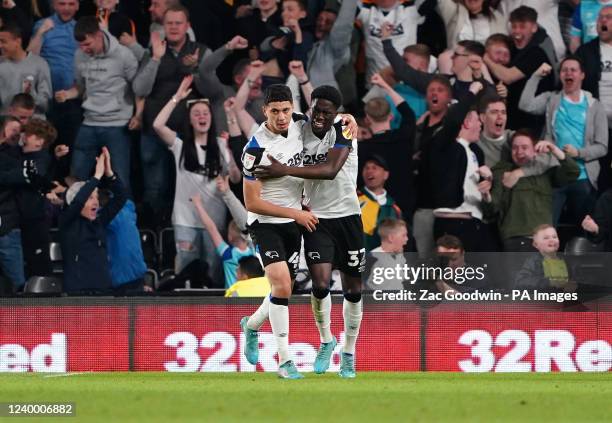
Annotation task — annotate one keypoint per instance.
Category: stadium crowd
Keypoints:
(124, 122)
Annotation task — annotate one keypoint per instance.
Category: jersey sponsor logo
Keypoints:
(606, 66)
(312, 159)
(272, 254)
(296, 160)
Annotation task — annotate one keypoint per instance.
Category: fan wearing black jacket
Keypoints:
(394, 145)
(459, 179)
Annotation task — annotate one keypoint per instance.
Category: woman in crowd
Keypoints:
(199, 159)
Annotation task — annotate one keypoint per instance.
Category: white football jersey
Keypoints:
(285, 191)
(404, 17)
(330, 199)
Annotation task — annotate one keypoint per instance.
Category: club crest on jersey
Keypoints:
(314, 255)
(249, 161)
(272, 254)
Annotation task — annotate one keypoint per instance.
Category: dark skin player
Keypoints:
(324, 113)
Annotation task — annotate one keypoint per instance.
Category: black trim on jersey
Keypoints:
(340, 138)
(250, 164)
(296, 117)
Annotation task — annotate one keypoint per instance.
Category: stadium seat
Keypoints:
(566, 233)
(148, 241)
(43, 285)
(55, 253)
(151, 279)
(167, 247)
(579, 246)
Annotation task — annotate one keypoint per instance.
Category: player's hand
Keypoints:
(306, 219)
(61, 150)
(352, 128)
(274, 170)
(589, 225)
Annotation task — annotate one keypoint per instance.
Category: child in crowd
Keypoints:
(393, 236)
(545, 270)
(376, 204)
(83, 230)
(231, 251)
(251, 279)
(38, 135)
(10, 130)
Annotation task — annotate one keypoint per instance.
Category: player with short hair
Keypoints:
(274, 212)
(330, 170)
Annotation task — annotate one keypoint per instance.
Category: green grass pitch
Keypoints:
(372, 397)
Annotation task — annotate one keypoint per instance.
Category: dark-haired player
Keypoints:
(275, 210)
(330, 167)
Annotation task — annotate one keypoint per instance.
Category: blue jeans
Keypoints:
(88, 145)
(158, 171)
(580, 199)
(196, 243)
(11, 257)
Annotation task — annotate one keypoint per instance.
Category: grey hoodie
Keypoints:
(105, 81)
(595, 131)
